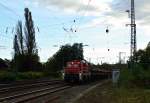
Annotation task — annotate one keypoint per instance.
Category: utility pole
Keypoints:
(133, 46)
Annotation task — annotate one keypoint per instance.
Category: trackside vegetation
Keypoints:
(139, 75)
(6, 76)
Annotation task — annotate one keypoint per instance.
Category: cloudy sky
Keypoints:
(57, 21)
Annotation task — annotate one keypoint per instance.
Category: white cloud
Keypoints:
(66, 5)
(113, 10)
(80, 7)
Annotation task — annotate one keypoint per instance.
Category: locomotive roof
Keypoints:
(78, 61)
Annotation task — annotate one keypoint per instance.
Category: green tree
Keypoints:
(64, 54)
(30, 33)
(16, 46)
(78, 51)
(143, 57)
(16, 53)
(25, 51)
(19, 33)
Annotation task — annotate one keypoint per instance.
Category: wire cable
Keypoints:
(9, 9)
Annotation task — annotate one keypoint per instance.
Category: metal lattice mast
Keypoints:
(133, 33)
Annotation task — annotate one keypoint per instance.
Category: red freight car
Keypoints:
(76, 70)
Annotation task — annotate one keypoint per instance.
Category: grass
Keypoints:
(6, 76)
(137, 77)
(29, 75)
(110, 94)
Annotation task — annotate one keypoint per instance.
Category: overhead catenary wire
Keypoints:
(73, 28)
(106, 14)
(9, 9)
(80, 19)
(9, 29)
(83, 16)
(10, 17)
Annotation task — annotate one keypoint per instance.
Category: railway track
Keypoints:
(26, 91)
(28, 96)
(17, 83)
(22, 86)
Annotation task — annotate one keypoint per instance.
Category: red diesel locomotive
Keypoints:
(77, 70)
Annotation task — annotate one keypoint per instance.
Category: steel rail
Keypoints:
(2, 90)
(32, 92)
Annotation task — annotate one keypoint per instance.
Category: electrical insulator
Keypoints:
(107, 31)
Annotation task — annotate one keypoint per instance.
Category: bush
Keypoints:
(7, 76)
(126, 77)
(136, 76)
(30, 75)
(53, 74)
(144, 78)
(25, 63)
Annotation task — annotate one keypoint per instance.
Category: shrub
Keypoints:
(136, 76)
(7, 76)
(53, 74)
(126, 77)
(30, 75)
